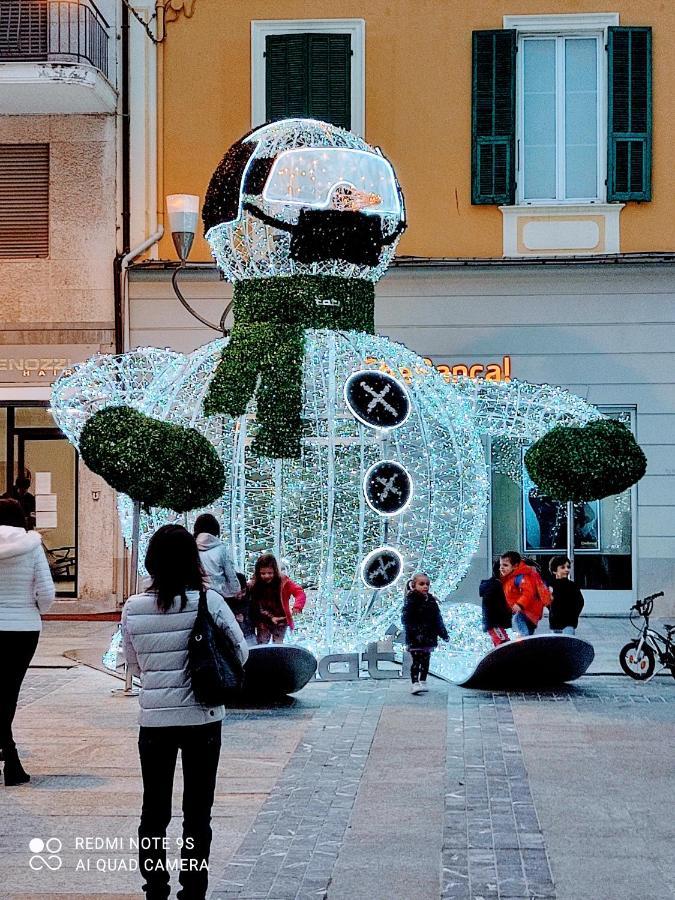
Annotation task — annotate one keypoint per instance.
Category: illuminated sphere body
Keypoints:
(313, 512)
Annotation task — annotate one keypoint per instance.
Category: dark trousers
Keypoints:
(17, 648)
(200, 752)
(420, 665)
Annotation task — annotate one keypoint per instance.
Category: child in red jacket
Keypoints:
(525, 592)
(271, 594)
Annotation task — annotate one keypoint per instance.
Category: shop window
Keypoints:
(537, 526)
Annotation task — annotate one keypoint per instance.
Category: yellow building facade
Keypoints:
(416, 88)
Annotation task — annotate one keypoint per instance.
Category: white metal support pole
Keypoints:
(129, 690)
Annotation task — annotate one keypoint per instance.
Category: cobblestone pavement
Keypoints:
(292, 848)
(493, 845)
(536, 802)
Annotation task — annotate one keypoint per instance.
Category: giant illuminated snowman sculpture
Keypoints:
(346, 454)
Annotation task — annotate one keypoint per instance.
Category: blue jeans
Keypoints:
(522, 624)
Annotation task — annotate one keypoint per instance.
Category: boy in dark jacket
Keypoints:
(423, 625)
(567, 600)
(496, 612)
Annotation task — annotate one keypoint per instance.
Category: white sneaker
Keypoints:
(416, 688)
(423, 685)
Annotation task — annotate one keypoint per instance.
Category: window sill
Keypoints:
(561, 229)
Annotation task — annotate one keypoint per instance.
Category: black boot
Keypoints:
(14, 773)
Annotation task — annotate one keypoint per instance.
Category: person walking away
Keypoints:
(496, 612)
(156, 626)
(26, 590)
(567, 601)
(271, 594)
(525, 592)
(26, 500)
(215, 557)
(423, 625)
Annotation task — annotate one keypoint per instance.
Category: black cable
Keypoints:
(193, 312)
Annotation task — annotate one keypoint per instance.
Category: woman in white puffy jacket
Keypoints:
(156, 626)
(26, 590)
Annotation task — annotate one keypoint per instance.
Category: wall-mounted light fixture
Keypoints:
(183, 214)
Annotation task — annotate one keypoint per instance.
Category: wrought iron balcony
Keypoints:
(54, 31)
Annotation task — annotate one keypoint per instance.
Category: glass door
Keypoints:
(40, 471)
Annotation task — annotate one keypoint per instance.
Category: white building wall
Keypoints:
(605, 332)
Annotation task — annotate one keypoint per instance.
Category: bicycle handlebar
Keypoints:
(653, 596)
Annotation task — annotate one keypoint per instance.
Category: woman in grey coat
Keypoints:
(156, 626)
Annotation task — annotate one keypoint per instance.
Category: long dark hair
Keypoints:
(11, 513)
(173, 564)
(266, 561)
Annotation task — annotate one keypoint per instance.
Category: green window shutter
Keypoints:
(493, 117)
(309, 75)
(285, 76)
(629, 109)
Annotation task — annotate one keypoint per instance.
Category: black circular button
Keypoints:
(381, 568)
(377, 399)
(387, 487)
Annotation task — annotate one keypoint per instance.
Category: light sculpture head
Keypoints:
(303, 197)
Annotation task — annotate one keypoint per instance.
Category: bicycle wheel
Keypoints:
(639, 666)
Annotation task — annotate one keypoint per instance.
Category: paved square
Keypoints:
(360, 790)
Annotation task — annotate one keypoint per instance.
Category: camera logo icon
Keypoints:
(45, 854)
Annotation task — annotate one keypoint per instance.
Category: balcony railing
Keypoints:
(58, 31)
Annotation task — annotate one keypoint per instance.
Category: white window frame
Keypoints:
(561, 26)
(355, 28)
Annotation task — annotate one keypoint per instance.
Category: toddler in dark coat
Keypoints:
(496, 611)
(567, 601)
(423, 625)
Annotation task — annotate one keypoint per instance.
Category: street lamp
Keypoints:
(183, 213)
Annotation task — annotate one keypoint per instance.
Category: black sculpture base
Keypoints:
(534, 662)
(273, 670)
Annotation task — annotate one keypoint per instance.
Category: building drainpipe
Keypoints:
(122, 263)
(118, 286)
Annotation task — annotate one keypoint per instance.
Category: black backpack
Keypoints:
(215, 670)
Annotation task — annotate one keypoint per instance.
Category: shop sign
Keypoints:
(491, 371)
(41, 364)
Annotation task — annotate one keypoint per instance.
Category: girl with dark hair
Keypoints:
(26, 590)
(271, 594)
(156, 626)
(423, 625)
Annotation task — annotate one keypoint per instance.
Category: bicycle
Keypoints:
(638, 657)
